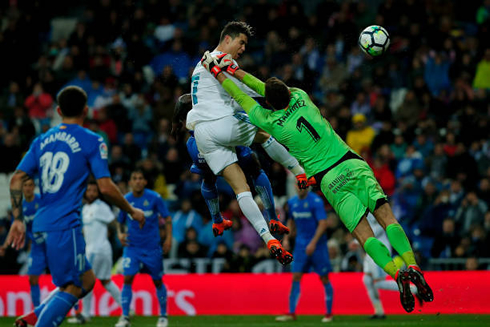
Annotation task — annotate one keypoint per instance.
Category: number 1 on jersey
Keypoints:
(302, 122)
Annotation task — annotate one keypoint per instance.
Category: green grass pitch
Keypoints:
(303, 321)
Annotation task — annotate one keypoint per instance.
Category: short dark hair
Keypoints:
(72, 100)
(234, 29)
(139, 171)
(277, 93)
(182, 107)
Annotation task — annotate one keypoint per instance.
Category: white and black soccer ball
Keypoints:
(374, 40)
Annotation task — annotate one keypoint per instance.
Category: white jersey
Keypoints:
(209, 100)
(95, 217)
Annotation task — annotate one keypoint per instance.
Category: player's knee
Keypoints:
(297, 277)
(367, 279)
(33, 280)
(88, 281)
(128, 280)
(324, 279)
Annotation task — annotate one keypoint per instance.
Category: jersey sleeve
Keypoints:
(161, 207)
(106, 214)
(29, 164)
(98, 159)
(319, 209)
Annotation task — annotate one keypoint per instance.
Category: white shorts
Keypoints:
(216, 140)
(101, 264)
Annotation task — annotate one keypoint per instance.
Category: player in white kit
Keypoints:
(375, 278)
(96, 215)
(220, 124)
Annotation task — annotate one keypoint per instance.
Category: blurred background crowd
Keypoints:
(419, 115)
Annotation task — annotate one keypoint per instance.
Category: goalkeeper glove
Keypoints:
(209, 62)
(303, 182)
(225, 62)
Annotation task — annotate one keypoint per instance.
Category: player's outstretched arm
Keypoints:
(16, 237)
(110, 190)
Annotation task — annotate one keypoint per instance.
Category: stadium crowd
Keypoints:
(419, 115)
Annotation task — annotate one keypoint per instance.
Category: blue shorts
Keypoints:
(199, 165)
(319, 261)
(37, 258)
(65, 251)
(144, 261)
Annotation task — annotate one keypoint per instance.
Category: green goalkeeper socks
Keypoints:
(381, 255)
(400, 243)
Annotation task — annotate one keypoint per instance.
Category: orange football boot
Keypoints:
(219, 228)
(278, 252)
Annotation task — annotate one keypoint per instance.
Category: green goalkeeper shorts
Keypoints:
(352, 189)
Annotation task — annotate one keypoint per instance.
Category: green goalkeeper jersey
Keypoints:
(301, 127)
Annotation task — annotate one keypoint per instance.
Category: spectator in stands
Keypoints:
(436, 162)
(156, 179)
(22, 127)
(471, 212)
(183, 219)
(9, 100)
(445, 243)
(39, 103)
(361, 136)
(11, 152)
(481, 80)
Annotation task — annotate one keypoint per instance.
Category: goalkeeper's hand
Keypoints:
(211, 64)
(226, 63)
(303, 182)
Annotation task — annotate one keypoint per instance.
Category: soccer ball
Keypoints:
(374, 40)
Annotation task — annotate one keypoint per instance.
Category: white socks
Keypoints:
(253, 214)
(87, 304)
(373, 295)
(114, 291)
(373, 287)
(87, 300)
(279, 154)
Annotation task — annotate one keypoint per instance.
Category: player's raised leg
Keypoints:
(399, 241)
(251, 167)
(236, 179)
(209, 192)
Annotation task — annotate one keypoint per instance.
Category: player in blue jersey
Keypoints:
(37, 256)
(308, 218)
(247, 161)
(142, 247)
(62, 159)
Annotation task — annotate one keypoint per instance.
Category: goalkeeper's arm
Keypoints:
(251, 81)
(244, 100)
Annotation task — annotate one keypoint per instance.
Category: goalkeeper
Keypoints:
(343, 176)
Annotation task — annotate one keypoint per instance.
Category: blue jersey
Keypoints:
(29, 210)
(63, 158)
(307, 213)
(153, 206)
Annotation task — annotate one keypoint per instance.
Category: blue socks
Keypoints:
(210, 194)
(328, 296)
(56, 310)
(35, 295)
(264, 189)
(126, 296)
(294, 297)
(162, 299)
